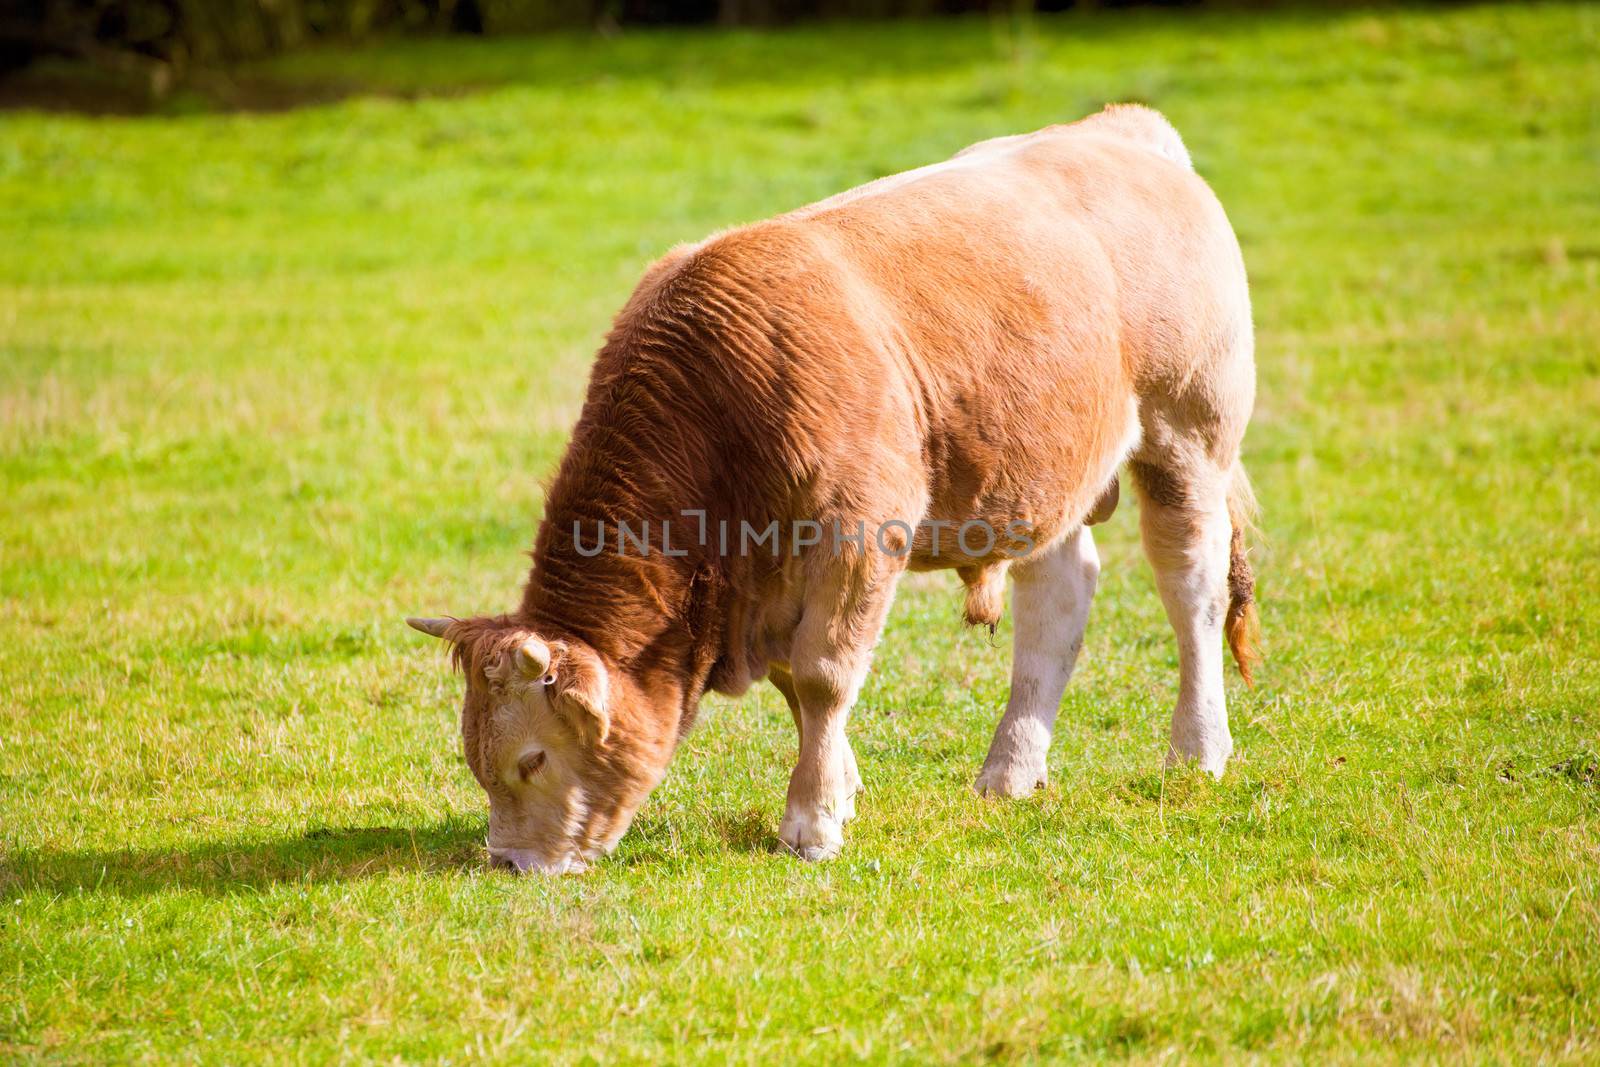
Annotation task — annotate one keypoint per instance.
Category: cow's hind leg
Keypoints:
(1050, 607)
(1184, 521)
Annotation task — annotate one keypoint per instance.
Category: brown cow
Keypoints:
(944, 368)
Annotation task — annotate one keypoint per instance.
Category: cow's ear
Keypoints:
(582, 692)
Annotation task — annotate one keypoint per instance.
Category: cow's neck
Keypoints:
(655, 619)
(634, 459)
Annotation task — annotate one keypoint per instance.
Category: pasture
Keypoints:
(271, 381)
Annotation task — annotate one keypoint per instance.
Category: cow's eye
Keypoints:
(549, 679)
(530, 765)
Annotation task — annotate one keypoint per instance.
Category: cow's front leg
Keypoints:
(821, 790)
(832, 652)
(783, 682)
(1050, 607)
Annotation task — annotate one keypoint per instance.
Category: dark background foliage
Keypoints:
(162, 41)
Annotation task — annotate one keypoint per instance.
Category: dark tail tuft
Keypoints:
(1243, 624)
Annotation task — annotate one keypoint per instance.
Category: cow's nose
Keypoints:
(515, 860)
(504, 863)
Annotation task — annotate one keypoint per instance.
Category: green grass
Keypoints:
(270, 382)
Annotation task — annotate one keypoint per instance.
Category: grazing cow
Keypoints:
(942, 369)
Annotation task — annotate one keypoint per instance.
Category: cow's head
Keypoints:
(553, 736)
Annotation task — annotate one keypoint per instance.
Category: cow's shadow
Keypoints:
(317, 855)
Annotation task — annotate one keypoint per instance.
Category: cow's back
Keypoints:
(1059, 226)
(970, 340)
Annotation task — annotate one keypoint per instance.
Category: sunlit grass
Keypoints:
(270, 382)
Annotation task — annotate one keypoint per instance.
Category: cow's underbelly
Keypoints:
(1029, 476)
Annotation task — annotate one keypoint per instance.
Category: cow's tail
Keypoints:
(1243, 625)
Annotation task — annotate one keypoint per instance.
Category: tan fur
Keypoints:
(1243, 624)
(983, 339)
(986, 595)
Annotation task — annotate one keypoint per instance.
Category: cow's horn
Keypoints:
(431, 627)
(533, 657)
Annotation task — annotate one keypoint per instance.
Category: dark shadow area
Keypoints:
(65, 88)
(321, 854)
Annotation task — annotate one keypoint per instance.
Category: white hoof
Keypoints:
(813, 836)
(1211, 758)
(1010, 779)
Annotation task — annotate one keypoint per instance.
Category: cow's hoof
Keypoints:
(812, 837)
(1213, 758)
(1009, 780)
(817, 853)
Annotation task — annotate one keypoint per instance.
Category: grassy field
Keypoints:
(269, 382)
